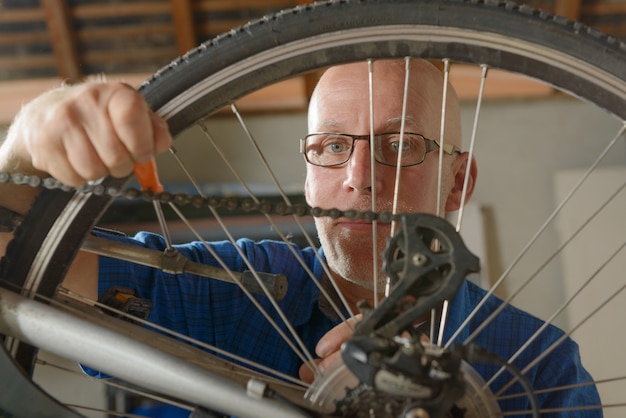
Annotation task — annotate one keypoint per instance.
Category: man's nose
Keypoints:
(359, 173)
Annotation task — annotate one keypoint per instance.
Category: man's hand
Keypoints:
(86, 132)
(329, 348)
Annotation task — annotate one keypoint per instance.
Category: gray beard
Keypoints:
(343, 262)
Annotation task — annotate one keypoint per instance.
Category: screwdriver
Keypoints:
(148, 178)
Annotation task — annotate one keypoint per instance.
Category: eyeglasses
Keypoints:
(328, 149)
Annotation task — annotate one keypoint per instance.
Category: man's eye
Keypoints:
(406, 145)
(335, 144)
(337, 147)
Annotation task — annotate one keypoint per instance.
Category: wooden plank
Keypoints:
(27, 62)
(21, 38)
(183, 25)
(120, 32)
(27, 15)
(223, 5)
(601, 16)
(158, 55)
(568, 8)
(615, 30)
(63, 41)
(120, 9)
(604, 8)
(210, 29)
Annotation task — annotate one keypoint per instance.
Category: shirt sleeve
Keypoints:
(220, 313)
(569, 389)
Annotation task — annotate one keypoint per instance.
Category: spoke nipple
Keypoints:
(419, 259)
(417, 413)
(256, 388)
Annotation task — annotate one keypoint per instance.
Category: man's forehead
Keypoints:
(393, 123)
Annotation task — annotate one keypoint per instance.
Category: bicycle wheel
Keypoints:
(498, 35)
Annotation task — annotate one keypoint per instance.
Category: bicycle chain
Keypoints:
(198, 201)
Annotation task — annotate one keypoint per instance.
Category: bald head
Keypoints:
(341, 100)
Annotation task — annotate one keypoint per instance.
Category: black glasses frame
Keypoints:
(430, 145)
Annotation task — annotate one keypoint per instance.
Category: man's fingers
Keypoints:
(82, 158)
(329, 348)
(306, 373)
(330, 360)
(161, 132)
(333, 339)
(58, 166)
(132, 122)
(65, 151)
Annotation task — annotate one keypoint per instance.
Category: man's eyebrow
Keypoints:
(389, 125)
(395, 123)
(329, 123)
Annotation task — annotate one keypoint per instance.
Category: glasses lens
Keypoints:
(388, 148)
(328, 149)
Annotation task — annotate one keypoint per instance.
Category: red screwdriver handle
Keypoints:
(148, 177)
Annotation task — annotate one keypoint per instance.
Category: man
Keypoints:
(97, 129)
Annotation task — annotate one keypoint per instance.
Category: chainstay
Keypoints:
(198, 201)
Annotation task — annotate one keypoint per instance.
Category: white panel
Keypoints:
(602, 338)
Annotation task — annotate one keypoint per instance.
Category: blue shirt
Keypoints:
(220, 314)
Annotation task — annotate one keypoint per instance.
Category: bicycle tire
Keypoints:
(565, 54)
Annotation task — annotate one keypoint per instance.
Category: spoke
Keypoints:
(564, 387)
(106, 411)
(163, 224)
(442, 132)
(543, 227)
(396, 188)
(370, 79)
(260, 154)
(444, 103)
(183, 166)
(479, 100)
(564, 409)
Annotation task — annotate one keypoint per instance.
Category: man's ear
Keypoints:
(306, 189)
(459, 167)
